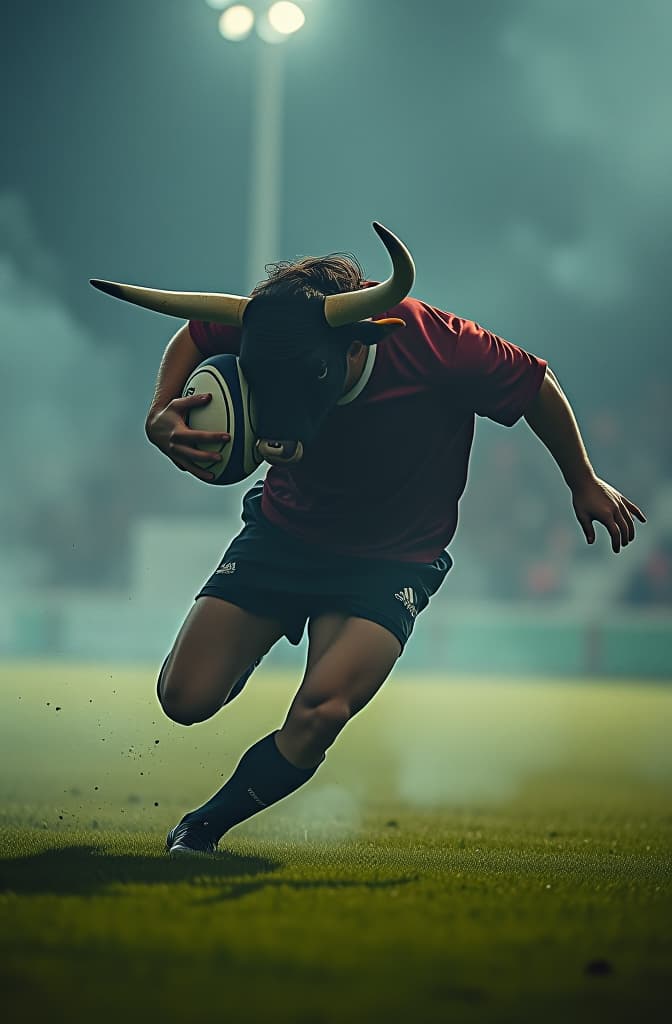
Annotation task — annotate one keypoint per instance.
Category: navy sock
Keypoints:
(263, 777)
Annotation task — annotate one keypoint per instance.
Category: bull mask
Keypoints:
(293, 348)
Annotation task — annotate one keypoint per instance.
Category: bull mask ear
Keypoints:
(350, 307)
(216, 308)
(370, 332)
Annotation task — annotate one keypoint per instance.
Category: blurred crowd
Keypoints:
(531, 551)
(517, 537)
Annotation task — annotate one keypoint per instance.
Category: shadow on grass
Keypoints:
(88, 870)
(236, 890)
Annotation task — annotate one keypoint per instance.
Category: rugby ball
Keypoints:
(230, 411)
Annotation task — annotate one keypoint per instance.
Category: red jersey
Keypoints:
(385, 474)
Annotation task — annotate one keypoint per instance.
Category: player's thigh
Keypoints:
(217, 642)
(349, 658)
(322, 631)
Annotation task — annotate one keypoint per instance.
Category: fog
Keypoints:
(523, 151)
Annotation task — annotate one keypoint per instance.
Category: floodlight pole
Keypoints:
(266, 149)
(266, 162)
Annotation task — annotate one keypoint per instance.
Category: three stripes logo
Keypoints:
(408, 599)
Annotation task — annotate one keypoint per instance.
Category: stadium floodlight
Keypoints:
(273, 23)
(279, 21)
(236, 22)
(286, 18)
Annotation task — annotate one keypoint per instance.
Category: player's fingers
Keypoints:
(586, 524)
(200, 474)
(622, 525)
(205, 436)
(628, 520)
(615, 533)
(631, 507)
(190, 400)
(194, 454)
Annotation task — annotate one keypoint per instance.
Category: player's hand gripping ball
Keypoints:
(231, 411)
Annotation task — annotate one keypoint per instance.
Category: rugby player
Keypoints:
(348, 532)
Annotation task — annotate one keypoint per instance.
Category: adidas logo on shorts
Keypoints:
(226, 567)
(408, 599)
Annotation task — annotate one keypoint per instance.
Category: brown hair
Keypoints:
(312, 276)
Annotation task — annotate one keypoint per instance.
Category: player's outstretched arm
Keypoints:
(552, 419)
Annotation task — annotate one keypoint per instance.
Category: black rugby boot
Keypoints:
(190, 837)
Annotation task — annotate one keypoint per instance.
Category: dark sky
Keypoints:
(521, 148)
(131, 133)
(495, 136)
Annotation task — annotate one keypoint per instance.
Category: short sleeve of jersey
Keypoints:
(214, 339)
(490, 376)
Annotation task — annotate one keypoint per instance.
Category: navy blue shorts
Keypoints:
(269, 572)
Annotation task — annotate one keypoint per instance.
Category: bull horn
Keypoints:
(349, 307)
(216, 308)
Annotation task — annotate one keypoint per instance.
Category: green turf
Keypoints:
(471, 850)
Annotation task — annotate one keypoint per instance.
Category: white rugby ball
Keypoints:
(230, 411)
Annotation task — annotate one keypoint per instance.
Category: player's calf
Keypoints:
(263, 777)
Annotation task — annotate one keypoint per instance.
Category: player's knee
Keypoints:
(321, 722)
(176, 701)
(175, 708)
(177, 712)
(184, 711)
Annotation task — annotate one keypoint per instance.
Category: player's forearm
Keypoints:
(551, 418)
(180, 358)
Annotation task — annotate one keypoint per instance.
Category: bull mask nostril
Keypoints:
(280, 453)
(289, 449)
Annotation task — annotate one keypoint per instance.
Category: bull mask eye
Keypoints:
(324, 370)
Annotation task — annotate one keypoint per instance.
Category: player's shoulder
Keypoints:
(421, 315)
(426, 322)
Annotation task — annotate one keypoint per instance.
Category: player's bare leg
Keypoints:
(349, 659)
(217, 643)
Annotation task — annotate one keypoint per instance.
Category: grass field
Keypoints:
(471, 850)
